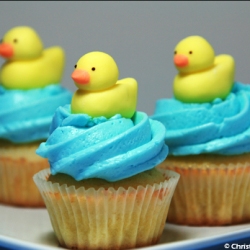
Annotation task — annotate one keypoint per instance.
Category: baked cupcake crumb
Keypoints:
(149, 177)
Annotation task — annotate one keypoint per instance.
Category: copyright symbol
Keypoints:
(226, 245)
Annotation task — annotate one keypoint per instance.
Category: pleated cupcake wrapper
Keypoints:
(107, 218)
(16, 182)
(210, 194)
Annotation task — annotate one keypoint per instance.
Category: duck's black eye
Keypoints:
(175, 52)
(15, 40)
(93, 69)
(190, 52)
(75, 66)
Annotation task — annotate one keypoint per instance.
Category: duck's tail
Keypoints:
(130, 98)
(55, 57)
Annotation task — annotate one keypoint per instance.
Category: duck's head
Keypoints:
(95, 71)
(193, 54)
(21, 43)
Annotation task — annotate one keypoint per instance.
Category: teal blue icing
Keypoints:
(220, 127)
(26, 115)
(111, 149)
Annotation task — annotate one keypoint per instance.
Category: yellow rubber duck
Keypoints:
(27, 64)
(100, 92)
(202, 75)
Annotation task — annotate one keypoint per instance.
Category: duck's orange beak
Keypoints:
(180, 60)
(6, 50)
(80, 76)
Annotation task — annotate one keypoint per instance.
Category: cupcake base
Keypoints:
(107, 218)
(213, 190)
(18, 164)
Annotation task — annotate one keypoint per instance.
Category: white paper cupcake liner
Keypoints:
(107, 218)
(16, 184)
(210, 195)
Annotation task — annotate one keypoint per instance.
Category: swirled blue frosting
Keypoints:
(220, 127)
(110, 149)
(26, 115)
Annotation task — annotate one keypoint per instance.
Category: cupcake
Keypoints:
(102, 190)
(208, 134)
(29, 95)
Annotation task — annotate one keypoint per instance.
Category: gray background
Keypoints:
(140, 36)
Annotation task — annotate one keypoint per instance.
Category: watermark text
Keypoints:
(236, 246)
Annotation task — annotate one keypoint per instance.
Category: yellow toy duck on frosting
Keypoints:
(202, 75)
(100, 92)
(27, 64)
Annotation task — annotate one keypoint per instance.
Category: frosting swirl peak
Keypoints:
(25, 115)
(218, 127)
(111, 149)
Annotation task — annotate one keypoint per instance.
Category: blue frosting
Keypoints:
(219, 127)
(26, 115)
(110, 149)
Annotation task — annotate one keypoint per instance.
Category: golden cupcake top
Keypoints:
(149, 177)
